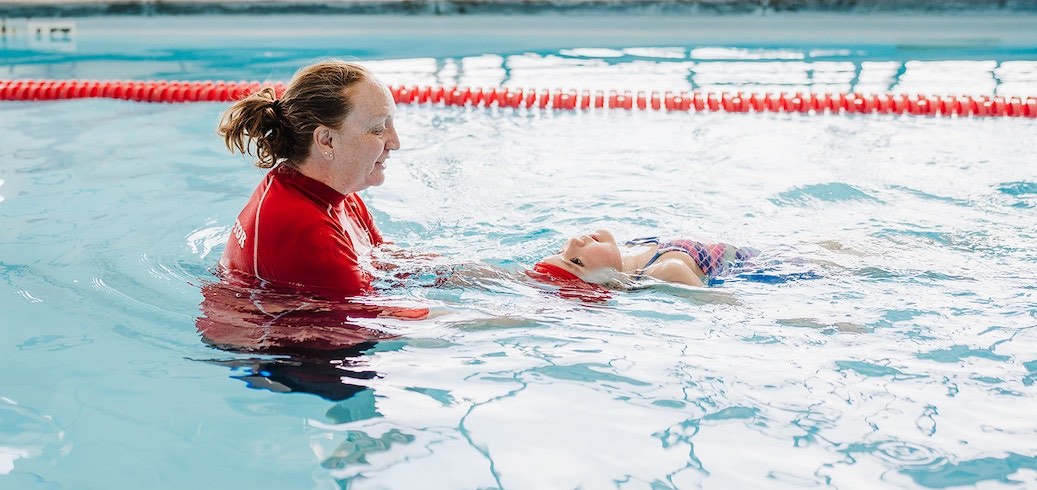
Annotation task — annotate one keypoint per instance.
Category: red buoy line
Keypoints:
(807, 103)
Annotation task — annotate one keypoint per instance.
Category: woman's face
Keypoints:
(589, 254)
(361, 145)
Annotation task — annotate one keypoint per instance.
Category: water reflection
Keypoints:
(239, 318)
(324, 374)
(295, 343)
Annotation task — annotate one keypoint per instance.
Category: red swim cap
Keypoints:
(572, 287)
(552, 273)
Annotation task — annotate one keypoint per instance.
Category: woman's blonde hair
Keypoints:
(278, 131)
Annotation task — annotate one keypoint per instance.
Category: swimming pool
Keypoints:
(908, 363)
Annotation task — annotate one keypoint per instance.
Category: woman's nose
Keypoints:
(393, 143)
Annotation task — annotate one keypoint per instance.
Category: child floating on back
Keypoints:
(597, 259)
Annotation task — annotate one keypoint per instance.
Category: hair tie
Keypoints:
(276, 106)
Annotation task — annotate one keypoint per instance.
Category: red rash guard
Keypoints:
(297, 231)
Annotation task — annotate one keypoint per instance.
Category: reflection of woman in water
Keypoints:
(325, 374)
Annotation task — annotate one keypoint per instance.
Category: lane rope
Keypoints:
(582, 100)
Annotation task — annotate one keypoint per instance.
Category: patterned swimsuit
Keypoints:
(713, 258)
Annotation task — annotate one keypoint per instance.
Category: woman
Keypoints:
(596, 259)
(299, 252)
(326, 138)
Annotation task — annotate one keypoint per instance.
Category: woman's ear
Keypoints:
(322, 136)
(323, 140)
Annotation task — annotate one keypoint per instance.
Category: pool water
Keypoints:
(903, 356)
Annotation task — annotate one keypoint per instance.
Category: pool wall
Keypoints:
(45, 8)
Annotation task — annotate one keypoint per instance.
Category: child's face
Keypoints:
(587, 254)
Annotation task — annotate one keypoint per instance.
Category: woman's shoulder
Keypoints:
(285, 220)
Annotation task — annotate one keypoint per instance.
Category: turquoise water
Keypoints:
(908, 362)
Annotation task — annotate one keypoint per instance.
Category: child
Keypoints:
(597, 259)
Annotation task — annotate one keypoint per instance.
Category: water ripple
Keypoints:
(957, 353)
(902, 453)
(1018, 189)
(943, 474)
(818, 194)
(28, 434)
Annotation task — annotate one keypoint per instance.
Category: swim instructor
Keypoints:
(325, 139)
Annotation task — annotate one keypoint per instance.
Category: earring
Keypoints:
(327, 154)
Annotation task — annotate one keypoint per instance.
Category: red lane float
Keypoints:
(808, 103)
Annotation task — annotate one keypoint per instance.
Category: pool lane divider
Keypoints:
(585, 100)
